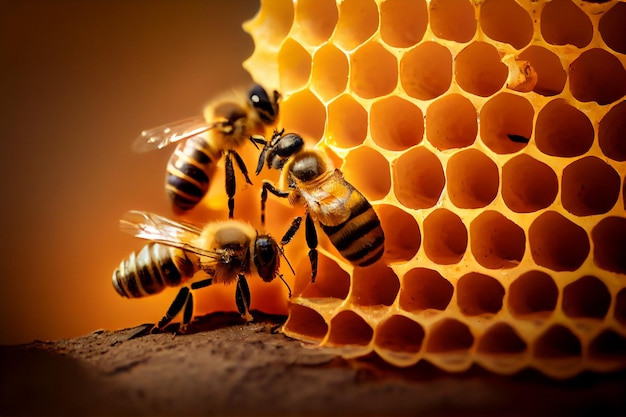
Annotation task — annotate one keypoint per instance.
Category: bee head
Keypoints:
(264, 105)
(283, 147)
(266, 257)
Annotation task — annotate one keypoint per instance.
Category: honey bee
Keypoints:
(225, 251)
(342, 212)
(224, 127)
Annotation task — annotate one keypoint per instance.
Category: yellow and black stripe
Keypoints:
(189, 172)
(360, 239)
(152, 269)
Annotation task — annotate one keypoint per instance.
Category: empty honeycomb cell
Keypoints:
(597, 75)
(607, 346)
(589, 186)
(369, 172)
(563, 23)
(402, 233)
(478, 69)
(609, 244)
(346, 123)
(506, 21)
(273, 21)
(304, 114)
(294, 65)
(587, 297)
(503, 115)
(374, 285)
(612, 28)
(315, 20)
(611, 132)
(358, 21)
(400, 334)
(425, 289)
(453, 20)
(557, 243)
(374, 71)
(449, 335)
(348, 328)
(445, 237)
(426, 71)
(478, 294)
(403, 22)
(551, 75)
(451, 122)
(496, 241)
(563, 130)
(329, 76)
(558, 342)
(472, 179)
(305, 322)
(620, 307)
(533, 293)
(331, 281)
(418, 178)
(396, 124)
(528, 185)
(501, 339)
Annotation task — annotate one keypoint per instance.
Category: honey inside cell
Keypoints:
(472, 179)
(596, 75)
(609, 241)
(418, 178)
(446, 237)
(589, 186)
(402, 233)
(315, 20)
(449, 335)
(399, 333)
(396, 124)
(612, 28)
(451, 122)
(329, 72)
(563, 23)
(403, 22)
(506, 21)
(479, 294)
(496, 242)
(611, 133)
(358, 21)
(479, 70)
(607, 346)
(348, 328)
(294, 64)
(374, 71)
(527, 184)
(558, 342)
(369, 172)
(586, 297)
(331, 280)
(500, 339)
(551, 75)
(453, 20)
(503, 115)
(534, 293)
(375, 285)
(562, 130)
(307, 323)
(303, 113)
(273, 22)
(426, 71)
(424, 289)
(347, 122)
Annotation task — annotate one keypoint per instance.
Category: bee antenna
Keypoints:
(285, 282)
(282, 253)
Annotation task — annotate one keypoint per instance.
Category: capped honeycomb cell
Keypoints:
(451, 122)
(506, 21)
(396, 124)
(528, 185)
(403, 22)
(446, 234)
(489, 138)
(562, 130)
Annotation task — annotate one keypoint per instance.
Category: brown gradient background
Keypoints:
(78, 81)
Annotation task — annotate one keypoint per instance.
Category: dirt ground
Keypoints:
(222, 367)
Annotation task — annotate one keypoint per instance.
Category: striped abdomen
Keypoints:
(189, 172)
(360, 239)
(152, 269)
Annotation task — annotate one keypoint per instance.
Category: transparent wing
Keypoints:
(153, 227)
(161, 136)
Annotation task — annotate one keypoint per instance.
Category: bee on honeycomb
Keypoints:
(505, 239)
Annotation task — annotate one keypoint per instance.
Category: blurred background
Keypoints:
(79, 81)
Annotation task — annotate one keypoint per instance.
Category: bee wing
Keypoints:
(161, 136)
(150, 226)
(329, 203)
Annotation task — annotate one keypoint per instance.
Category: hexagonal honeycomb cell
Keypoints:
(489, 137)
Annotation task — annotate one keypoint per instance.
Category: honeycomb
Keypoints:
(490, 137)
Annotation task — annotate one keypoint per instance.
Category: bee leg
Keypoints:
(242, 297)
(258, 139)
(311, 241)
(242, 166)
(231, 184)
(268, 186)
(201, 284)
(289, 234)
(187, 313)
(181, 300)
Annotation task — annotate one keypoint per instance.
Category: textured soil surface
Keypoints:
(224, 367)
